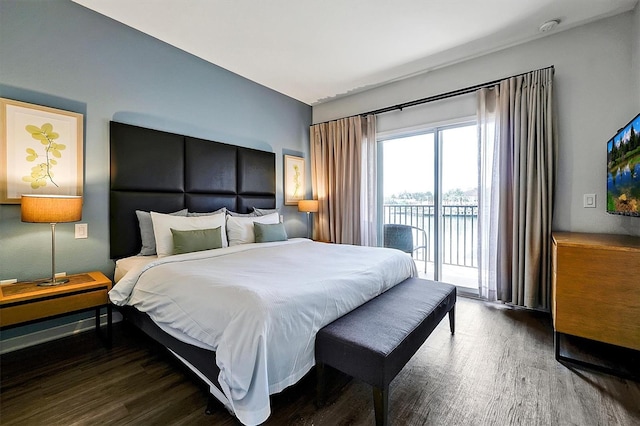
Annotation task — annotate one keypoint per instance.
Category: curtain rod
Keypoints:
(446, 95)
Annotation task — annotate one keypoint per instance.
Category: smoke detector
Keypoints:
(549, 25)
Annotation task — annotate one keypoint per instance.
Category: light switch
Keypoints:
(589, 201)
(82, 230)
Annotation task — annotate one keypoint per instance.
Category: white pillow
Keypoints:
(240, 229)
(162, 224)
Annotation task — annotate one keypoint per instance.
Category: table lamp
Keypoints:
(308, 206)
(51, 209)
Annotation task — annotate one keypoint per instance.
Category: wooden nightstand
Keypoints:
(26, 302)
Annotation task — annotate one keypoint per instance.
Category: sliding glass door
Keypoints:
(459, 205)
(429, 183)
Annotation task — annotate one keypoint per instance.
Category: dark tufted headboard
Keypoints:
(164, 172)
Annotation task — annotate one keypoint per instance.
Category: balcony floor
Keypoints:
(461, 276)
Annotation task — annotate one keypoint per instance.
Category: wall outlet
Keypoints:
(82, 230)
(60, 274)
(11, 281)
(589, 201)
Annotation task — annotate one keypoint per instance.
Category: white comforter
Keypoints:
(259, 306)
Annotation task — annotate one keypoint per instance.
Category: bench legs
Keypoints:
(320, 385)
(452, 319)
(380, 397)
(381, 405)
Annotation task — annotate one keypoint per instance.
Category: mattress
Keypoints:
(126, 264)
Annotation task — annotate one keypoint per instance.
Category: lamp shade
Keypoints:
(308, 206)
(51, 208)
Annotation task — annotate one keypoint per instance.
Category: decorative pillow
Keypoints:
(236, 214)
(162, 224)
(196, 240)
(146, 231)
(266, 233)
(240, 229)
(194, 214)
(264, 212)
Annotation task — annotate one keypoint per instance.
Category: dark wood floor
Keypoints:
(498, 369)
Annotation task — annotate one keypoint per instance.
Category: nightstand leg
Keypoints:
(105, 338)
(109, 323)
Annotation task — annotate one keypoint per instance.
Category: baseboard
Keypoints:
(53, 333)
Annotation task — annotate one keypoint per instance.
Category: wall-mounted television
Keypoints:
(623, 170)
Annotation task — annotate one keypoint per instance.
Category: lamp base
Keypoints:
(53, 282)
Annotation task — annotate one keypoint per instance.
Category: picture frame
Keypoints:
(41, 151)
(294, 176)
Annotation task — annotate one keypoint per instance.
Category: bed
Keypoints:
(242, 316)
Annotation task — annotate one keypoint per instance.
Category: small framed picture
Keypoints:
(40, 151)
(294, 188)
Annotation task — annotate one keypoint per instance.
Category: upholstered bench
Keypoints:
(374, 342)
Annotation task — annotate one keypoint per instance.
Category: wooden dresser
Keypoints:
(596, 287)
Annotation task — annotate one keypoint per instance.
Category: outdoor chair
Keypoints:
(401, 237)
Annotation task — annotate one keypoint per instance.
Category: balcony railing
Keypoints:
(459, 231)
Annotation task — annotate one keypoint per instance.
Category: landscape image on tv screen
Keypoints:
(623, 170)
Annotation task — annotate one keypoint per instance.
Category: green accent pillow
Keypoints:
(196, 240)
(266, 233)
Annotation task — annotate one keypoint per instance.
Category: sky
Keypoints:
(625, 133)
(409, 162)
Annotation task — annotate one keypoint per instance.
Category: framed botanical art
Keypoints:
(293, 180)
(40, 151)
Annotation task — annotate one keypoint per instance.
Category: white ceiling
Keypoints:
(314, 51)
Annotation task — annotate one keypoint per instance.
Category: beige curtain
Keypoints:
(518, 144)
(343, 177)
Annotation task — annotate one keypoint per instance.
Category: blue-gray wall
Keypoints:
(59, 54)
